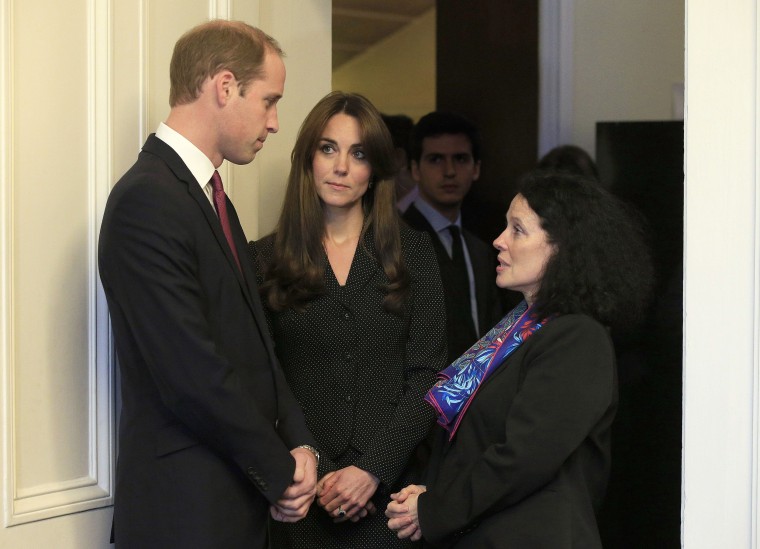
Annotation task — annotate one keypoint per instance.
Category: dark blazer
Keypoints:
(528, 466)
(487, 296)
(360, 374)
(207, 419)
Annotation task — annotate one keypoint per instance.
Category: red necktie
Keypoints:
(221, 209)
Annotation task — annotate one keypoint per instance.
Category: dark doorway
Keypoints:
(487, 69)
(642, 162)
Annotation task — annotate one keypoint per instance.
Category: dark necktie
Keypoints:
(220, 203)
(462, 278)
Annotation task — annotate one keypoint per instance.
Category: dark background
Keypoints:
(488, 69)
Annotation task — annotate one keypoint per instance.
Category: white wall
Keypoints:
(627, 55)
(397, 74)
(82, 83)
(303, 28)
(722, 289)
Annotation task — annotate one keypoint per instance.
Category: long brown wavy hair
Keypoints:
(295, 274)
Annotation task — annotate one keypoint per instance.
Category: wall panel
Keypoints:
(57, 388)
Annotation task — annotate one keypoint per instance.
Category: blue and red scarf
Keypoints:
(457, 384)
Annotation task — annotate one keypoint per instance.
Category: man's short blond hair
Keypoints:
(214, 46)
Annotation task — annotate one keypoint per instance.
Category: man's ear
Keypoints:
(224, 84)
(416, 171)
(476, 171)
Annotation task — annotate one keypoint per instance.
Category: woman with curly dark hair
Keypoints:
(524, 454)
(355, 305)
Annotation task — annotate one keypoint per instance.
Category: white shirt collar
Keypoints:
(438, 221)
(197, 162)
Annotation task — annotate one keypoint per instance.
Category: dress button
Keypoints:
(348, 398)
(347, 315)
(348, 357)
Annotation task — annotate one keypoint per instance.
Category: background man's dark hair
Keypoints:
(440, 123)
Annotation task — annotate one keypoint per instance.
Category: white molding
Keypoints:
(219, 9)
(222, 9)
(721, 300)
(58, 499)
(755, 512)
(68, 496)
(102, 437)
(555, 118)
(144, 67)
(6, 251)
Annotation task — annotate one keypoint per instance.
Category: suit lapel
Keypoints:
(417, 221)
(249, 278)
(479, 269)
(364, 267)
(155, 146)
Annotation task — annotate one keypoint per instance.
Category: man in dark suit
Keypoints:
(445, 163)
(210, 438)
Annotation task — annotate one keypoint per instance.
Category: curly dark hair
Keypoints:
(602, 265)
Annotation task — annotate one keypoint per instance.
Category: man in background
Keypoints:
(400, 127)
(445, 163)
(210, 436)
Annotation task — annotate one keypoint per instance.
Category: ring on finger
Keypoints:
(341, 512)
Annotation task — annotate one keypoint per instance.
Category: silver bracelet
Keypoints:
(312, 450)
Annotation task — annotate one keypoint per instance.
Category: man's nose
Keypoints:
(273, 124)
(449, 167)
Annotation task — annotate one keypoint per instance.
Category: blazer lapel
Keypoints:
(248, 279)
(479, 270)
(155, 146)
(364, 268)
(364, 265)
(417, 221)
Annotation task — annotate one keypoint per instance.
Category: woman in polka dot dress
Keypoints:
(355, 306)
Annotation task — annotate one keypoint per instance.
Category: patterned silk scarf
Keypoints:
(458, 383)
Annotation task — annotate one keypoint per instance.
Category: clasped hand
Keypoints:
(348, 490)
(295, 501)
(402, 512)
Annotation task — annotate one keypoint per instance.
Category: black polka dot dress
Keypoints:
(360, 375)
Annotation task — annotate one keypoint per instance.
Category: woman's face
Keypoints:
(341, 169)
(523, 249)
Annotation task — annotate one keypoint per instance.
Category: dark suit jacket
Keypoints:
(528, 466)
(487, 296)
(207, 419)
